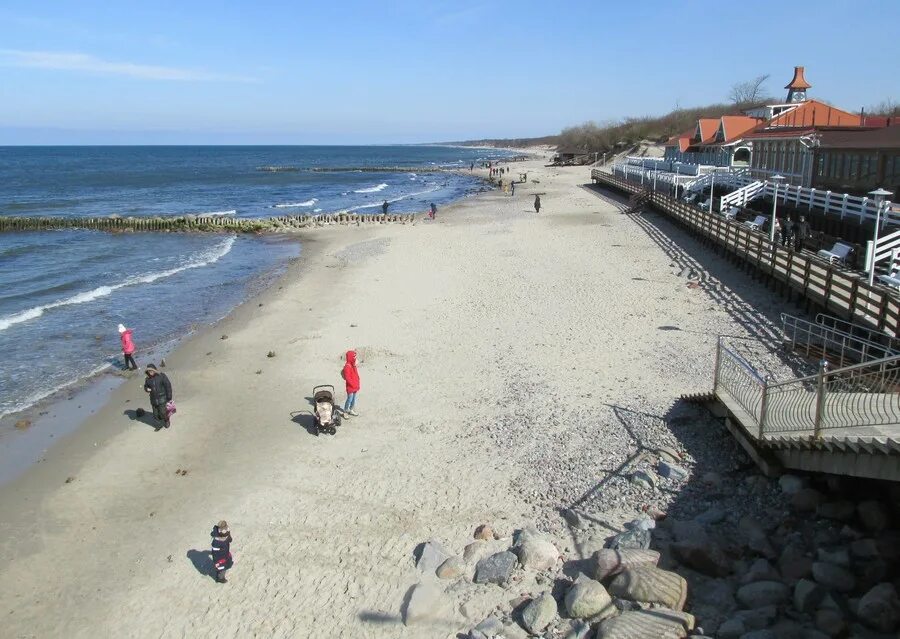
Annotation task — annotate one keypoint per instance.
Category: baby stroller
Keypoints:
(327, 417)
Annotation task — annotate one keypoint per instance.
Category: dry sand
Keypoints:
(486, 314)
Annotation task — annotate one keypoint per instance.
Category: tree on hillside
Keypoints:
(887, 108)
(748, 92)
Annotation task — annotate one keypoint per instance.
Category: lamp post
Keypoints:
(712, 190)
(675, 181)
(777, 179)
(878, 195)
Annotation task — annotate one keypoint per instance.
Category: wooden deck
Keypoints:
(844, 293)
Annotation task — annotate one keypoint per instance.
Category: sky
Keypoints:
(352, 72)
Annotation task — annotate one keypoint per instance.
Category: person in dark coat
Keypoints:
(221, 551)
(384, 207)
(433, 212)
(537, 203)
(160, 389)
(787, 231)
(801, 233)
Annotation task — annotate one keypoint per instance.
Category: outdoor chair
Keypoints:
(704, 204)
(731, 213)
(838, 253)
(756, 223)
(890, 280)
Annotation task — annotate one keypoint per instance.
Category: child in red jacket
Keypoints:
(351, 377)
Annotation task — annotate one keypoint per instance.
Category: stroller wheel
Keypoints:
(332, 431)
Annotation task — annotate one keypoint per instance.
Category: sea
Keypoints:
(63, 293)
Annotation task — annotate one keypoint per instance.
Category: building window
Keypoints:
(854, 167)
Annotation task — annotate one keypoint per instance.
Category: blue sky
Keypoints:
(91, 72)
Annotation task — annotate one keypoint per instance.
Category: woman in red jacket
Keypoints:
(351, 376)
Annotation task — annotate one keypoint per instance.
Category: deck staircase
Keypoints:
(744, 194)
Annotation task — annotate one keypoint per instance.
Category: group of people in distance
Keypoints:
(159, 388)
(789, 233)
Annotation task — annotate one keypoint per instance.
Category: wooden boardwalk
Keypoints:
(844, 293)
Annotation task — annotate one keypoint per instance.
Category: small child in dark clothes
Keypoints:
(221, 551)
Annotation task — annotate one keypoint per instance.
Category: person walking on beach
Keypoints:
(384, 207)
(787, 231)
(801, 233)
(537, 203)
(127, 347)
(160, 389)
(221, 551)
(433, 211)
(512, 188)
(351, 378)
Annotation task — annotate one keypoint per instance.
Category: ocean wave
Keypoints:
(374, 189)
(396, 199)
(203, 258)
(34, 399)
(216, 213)
(291, 205)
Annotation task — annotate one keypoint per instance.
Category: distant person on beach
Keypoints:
(384, 207)
(471, 167)
(512, 188)
(221, 551)
(351, 378)
(537, 203)
(801, 233)
(433, 211)
(127, 347)
(787, 231)
(160, 389)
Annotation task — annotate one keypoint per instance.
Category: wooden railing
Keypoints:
(844, 293)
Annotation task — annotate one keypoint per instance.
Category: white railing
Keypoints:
(734, 178)
(741, 196)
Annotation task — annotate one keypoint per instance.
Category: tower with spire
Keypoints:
(797, 87)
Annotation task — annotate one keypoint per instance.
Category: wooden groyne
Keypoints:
(190, 223)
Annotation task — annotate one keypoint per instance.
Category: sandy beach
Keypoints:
(511, 363)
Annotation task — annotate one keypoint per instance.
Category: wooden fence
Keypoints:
(843, 293)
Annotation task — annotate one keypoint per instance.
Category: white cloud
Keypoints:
(69, 61)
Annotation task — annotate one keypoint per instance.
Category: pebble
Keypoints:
(495, 569)
(538, 614)
(426, 603)
(588, 599)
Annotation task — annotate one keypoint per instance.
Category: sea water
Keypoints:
(63, 293)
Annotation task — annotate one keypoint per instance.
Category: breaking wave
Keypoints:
(290, 205)
(373, 189)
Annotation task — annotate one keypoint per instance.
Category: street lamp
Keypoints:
(712, 190)
(777, 179)
(879, 196)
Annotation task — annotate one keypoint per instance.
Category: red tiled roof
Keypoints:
(807, 117)
(734, 126)
(798, 82)
(682, 140)
(708, 128)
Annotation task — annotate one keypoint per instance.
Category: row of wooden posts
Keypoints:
(839, 291)
(199, 223)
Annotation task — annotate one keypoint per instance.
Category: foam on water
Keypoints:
(216, 213)
(202, 258)
(373, 189)
(291, 205)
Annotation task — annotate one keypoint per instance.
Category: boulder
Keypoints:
(807, 500)
(755, 537)
(588, 599)
(671, 471)
(873, 515)
(658, 623)
(452, 568)
(733, 628)
(538, 614)
(433, 555)
(713, 480)
(831, 622)
(426, 604)
(495, 569)
(762, 593)
(476, 551)
(864, 549)
(651, 584)
(634, 538)
(488, 629)
(537, 554)
(880, 608)
(808, 595)
(706, 558)
(760, 570)
(758, 618)
(643, 479)
(791, 484)
(611, 562)
(838, 556)
(793, 564)
(837, 510)
(833, 577)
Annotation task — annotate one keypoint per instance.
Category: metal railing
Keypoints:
(866, 333)
(857, 396)
(842, 348)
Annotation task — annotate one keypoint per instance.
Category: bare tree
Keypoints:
(886, 107)
(749, 92)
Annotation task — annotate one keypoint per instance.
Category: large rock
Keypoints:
(705, 558)
(838, 556)
(763, 593)
(793, 563)
(537, 554)
(864, 549)
(880, 608)
(650, 624)
(733, 628)
(495, 569)
(711, 516)
(611, 562)
(476, 551)
(873, 515)
(538, 614)
(426, 604)
(808, 595)
(588, 599)
(671, 471)
(488, 629)
(634, 538)
(755, 537)
(650, 584)
(833, 576)
(758, 618)
(838, 510)
(831, 622)
(433, 555)
(760, 570)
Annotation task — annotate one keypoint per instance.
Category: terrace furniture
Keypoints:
(731, 213)
(756, 223)
(838, 253)
(890, 280)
